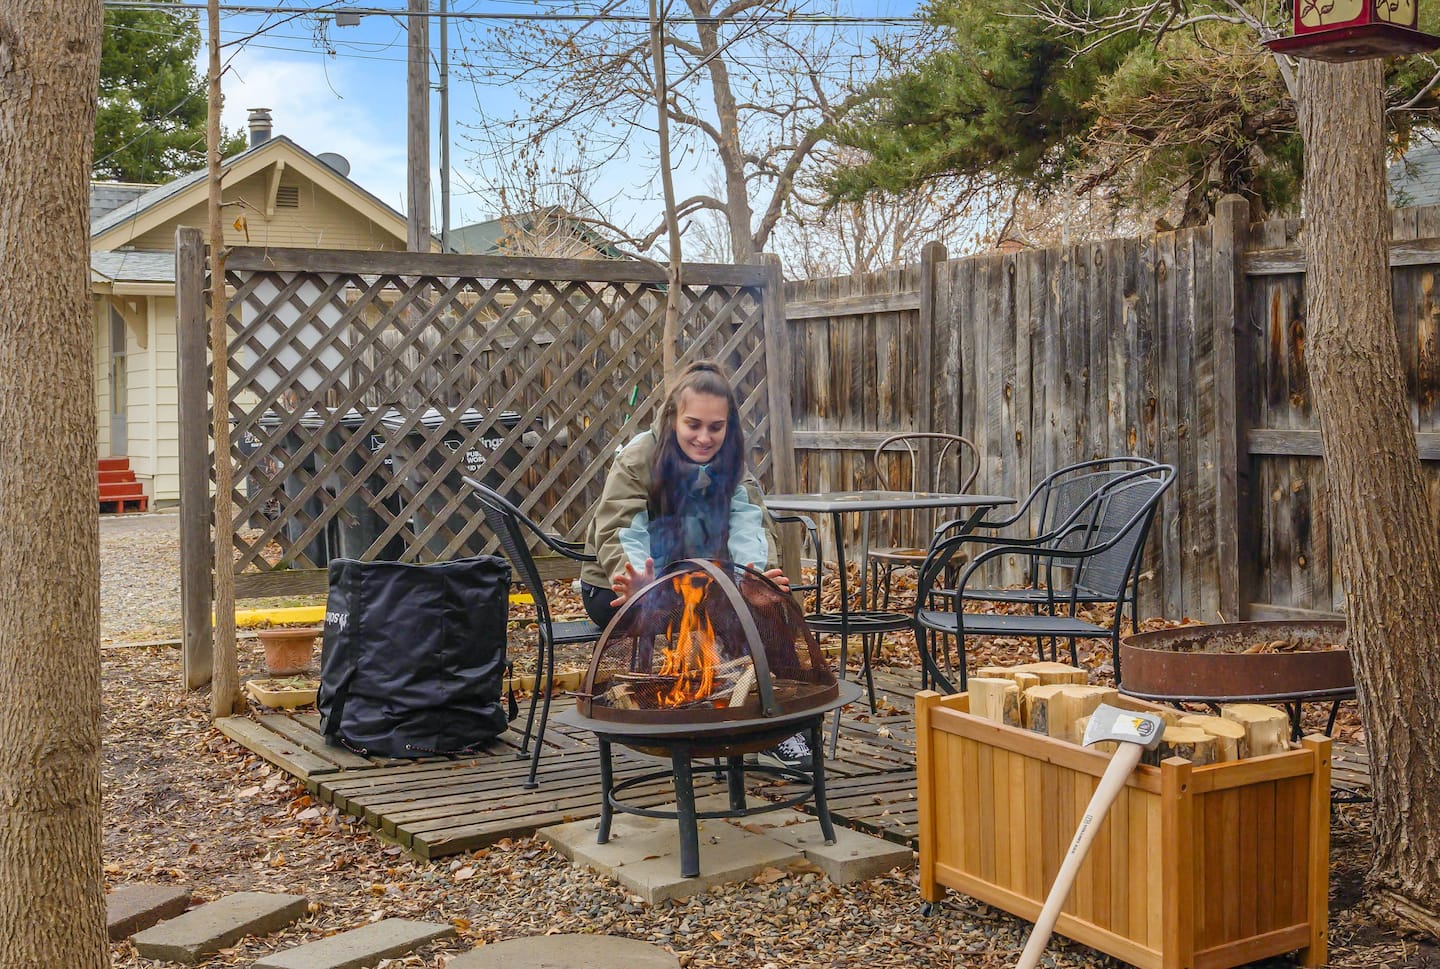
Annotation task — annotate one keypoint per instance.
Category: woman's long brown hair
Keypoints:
(728, 465)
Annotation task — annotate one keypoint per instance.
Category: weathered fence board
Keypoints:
(1185, 346)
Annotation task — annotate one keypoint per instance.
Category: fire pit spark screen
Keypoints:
(711, 660)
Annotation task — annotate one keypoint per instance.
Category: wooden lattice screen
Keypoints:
(364, 384)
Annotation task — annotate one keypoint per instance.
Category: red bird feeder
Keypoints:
(1353, 30)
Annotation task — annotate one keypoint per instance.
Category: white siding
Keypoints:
(321, 221)
(102, 375)
(165, 428)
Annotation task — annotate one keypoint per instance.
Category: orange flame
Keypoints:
(691, 657)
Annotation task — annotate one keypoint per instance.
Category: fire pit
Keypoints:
(711, 660)
(1289, 662)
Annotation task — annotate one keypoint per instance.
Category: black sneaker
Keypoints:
(792, 752)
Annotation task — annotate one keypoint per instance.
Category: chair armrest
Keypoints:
(571, 550)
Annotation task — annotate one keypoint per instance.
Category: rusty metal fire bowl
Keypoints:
(1211, 663)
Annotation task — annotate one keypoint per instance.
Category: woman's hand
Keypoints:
(779, 578)
(627, 583)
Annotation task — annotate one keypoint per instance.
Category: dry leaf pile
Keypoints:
(184, 805)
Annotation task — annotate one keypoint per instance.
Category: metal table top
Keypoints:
(832, 502)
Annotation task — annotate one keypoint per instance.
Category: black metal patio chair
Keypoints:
(1102, 541)
(511, 526)
(812, 535)
(948, 449)
(1055, 501)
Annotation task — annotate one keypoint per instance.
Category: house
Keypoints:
(549, 231)
(275, 193)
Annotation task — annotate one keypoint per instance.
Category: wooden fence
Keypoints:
(364, 384)
(1187, 346)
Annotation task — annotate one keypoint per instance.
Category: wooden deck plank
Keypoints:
(442, 805)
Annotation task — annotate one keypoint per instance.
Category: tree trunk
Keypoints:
(1385, 535)
(52, 905)
(738, 214)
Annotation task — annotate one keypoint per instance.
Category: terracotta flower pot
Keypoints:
(288, 651)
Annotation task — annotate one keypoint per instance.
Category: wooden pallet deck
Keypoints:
(438, 806)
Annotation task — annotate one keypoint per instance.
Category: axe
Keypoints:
(1135, 733)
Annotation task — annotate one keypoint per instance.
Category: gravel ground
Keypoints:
(186, 806)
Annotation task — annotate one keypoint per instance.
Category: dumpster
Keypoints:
(296, 472)
(361, 521)
(483, 460)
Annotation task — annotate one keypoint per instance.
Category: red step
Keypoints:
(109, 492)
(118, 489)
(119, 504)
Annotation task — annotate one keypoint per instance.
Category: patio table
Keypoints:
(837, 504)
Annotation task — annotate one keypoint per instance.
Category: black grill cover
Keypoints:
(414, 656)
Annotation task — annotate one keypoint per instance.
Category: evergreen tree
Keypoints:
(1091, 93)
(150, 123)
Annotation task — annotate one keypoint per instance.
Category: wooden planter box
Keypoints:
(1194, 868)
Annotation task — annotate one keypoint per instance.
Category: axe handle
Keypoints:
(1111, 783)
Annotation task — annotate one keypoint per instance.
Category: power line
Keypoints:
(760, 19)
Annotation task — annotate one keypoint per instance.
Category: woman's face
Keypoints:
(700, 424)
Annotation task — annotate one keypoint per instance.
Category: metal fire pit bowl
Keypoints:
(1208, 664)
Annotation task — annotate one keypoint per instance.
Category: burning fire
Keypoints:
(691, 658)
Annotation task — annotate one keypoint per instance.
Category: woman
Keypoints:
(678, 491)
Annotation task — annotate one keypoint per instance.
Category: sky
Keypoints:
(342, 89)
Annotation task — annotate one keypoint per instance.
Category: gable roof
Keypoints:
(154, 207)
(488, 238)
(108, 196)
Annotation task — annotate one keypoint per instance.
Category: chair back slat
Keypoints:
(951, 447)
(1126, 509)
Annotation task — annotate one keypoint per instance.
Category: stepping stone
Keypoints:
(211, 927)
(566, 952)
(130, 908)
(853, 857)
(358, 948)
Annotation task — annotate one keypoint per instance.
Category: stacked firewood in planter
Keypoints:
(1056, 700)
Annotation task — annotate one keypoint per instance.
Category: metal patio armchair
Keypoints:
(1102, 541)
(511, 525)
(1056, 499)
(886, 560)
(813, 535)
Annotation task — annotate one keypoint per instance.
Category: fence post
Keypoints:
(1234, 545)
(196, 557)
(777, 388)
(931, 257)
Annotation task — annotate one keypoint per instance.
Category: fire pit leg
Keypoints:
(607, 781)
(817, 780)
(685, 811)
(735, 777)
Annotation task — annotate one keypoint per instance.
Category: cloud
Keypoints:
(324, 105)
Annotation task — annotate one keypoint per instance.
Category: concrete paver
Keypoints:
(567, 952)
(853, 857)
(643, 854)
(358, 948)
(130, 908)
(190, 937)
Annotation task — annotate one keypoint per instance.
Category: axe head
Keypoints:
(1123, 726)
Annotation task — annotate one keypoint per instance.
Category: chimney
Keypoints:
(259, 126)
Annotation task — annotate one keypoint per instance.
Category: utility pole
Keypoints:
(444, 88)
(418, 128)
